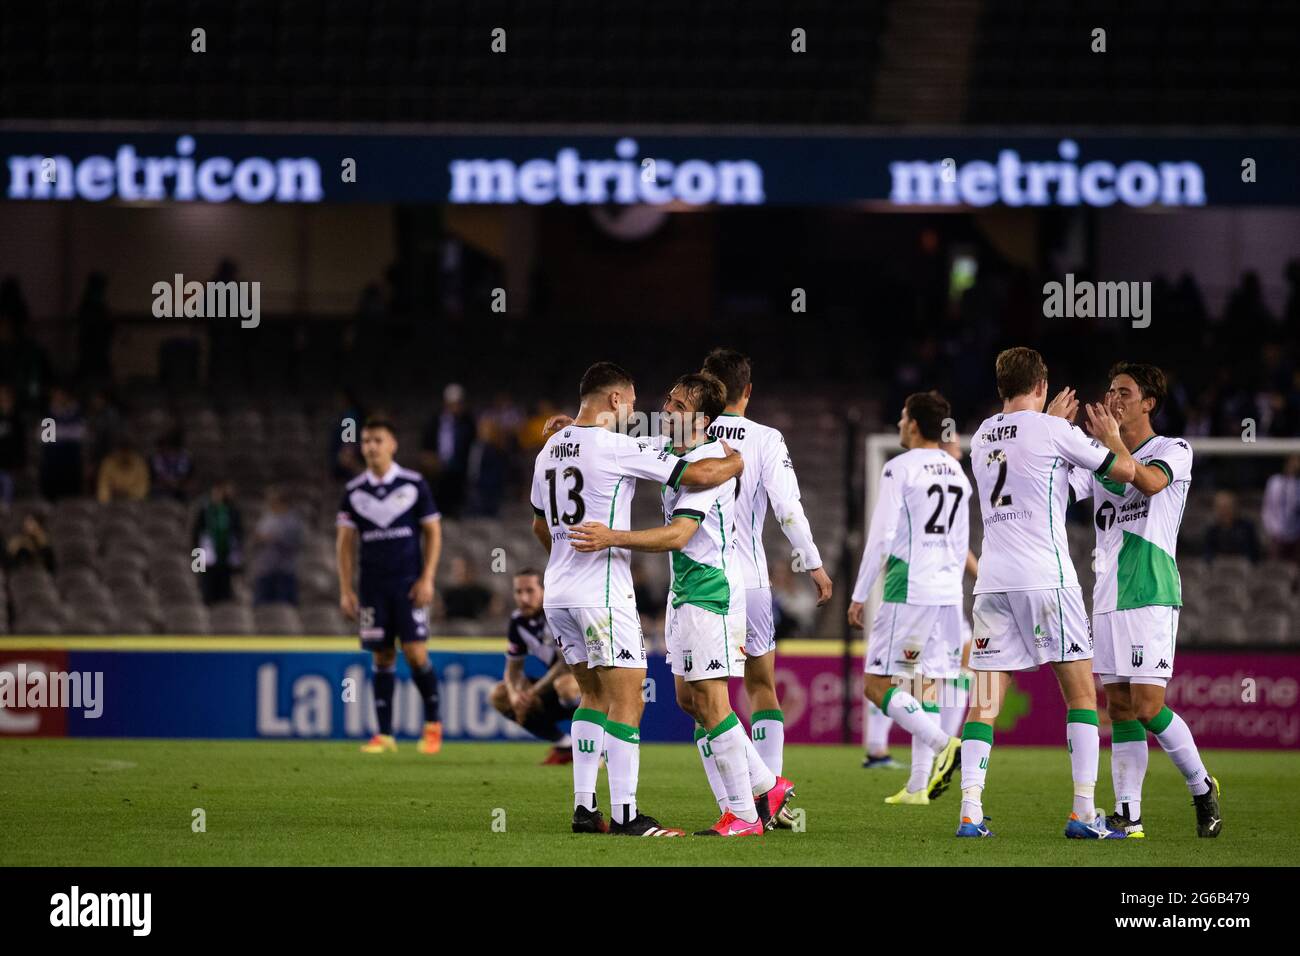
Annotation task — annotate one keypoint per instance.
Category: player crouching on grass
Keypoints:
(1136, 598)
(539, 705)
(705, 623)
(916, 636)
(392, 511)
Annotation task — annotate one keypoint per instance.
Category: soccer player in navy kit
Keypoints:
(392, 511)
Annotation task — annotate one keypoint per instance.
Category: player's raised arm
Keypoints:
(593, 536)
(782, 486)
(1106, 457)
(884, 522)
(1104, 427)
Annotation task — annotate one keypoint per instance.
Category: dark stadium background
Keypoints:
(383, 305)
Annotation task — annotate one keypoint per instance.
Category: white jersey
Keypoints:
(768, 478)
(705, 571)
(920, 531)
(588, 473)
(1137, 536)
(1021, 461)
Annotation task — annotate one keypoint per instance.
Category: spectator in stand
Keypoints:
(277, 543)
(445, 448)
(62, 441)
(531, 436)
(1280, 514)
(23, 362)
(489, 462)
(466, 598)
(218, 533)
(1230, 534)
(797, 601)
(172, 467)
(104, 425)
(94, 330)
(13, 443)
(30, 546)
(123, 475)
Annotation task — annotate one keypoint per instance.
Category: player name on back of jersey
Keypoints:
(998, 433)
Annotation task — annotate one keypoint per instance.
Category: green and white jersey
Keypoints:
(1137, 536)
(920, 530)
(705, 572)
(588, 473)
(768, 478)
(1021, 461)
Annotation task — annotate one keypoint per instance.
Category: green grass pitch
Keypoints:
(131, 802)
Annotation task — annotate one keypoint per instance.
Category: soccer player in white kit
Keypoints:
(705, 622)
(1028, 605)
(769, 479)
(1136, 598)
(588, 469)
(919, 540)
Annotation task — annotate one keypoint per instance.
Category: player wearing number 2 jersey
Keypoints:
(1136, 599)
(587, 471)
(1028, 607)
(919, 538)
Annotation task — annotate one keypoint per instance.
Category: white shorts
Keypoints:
(907, 639)
(598, 636)
(1018, 630)
(760, 632)
(1136, 646)
(704, 644)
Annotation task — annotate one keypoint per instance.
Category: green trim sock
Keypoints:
(728, 741)
(1085, 753)
(976, 747)
(767, 729)
(705, 750)
(1175, 737)
(1128, 766)
(588, 733)
(907, 713)
(623, 746)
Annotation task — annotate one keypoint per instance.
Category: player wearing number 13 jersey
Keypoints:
(587, 471)
(1028, 607)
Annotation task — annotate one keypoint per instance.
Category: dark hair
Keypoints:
(732, 369)
(602, 377)
(1150, 380)
(529, 573)
(380, 421)
(707, 394)
(1019, 370)
(929, 410)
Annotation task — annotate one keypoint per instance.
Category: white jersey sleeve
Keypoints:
(1077, 448)
(1080, 484)
(1175, 460)
(641, 458)
(884, 525)
(782, 487)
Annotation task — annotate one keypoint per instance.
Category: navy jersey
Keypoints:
(388, 513)
(530, 636)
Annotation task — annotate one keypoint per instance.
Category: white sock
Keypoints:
(761, 777)
(588, 732)
(1128, 766)
(711, 768)
(922, 762)
(976, 747)
(878, 726)
(1175, 737)
(728, 743)
(952, 706)
(1081, 738)
(768, 733)
(623, 743)
(908, 714)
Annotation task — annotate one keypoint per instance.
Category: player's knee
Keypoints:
(499, 697)
(385, 659)
(1146, 710)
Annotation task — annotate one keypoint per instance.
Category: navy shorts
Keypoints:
(387, 615)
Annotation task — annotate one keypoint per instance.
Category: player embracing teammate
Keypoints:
(1136, 598)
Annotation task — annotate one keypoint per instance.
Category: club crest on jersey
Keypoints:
(383, 511)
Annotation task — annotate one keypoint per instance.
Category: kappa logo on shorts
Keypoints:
(877, 662)
(713, 666)
(624, 655)
(1074, 649)
(1163, 665)
(1137, 655)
